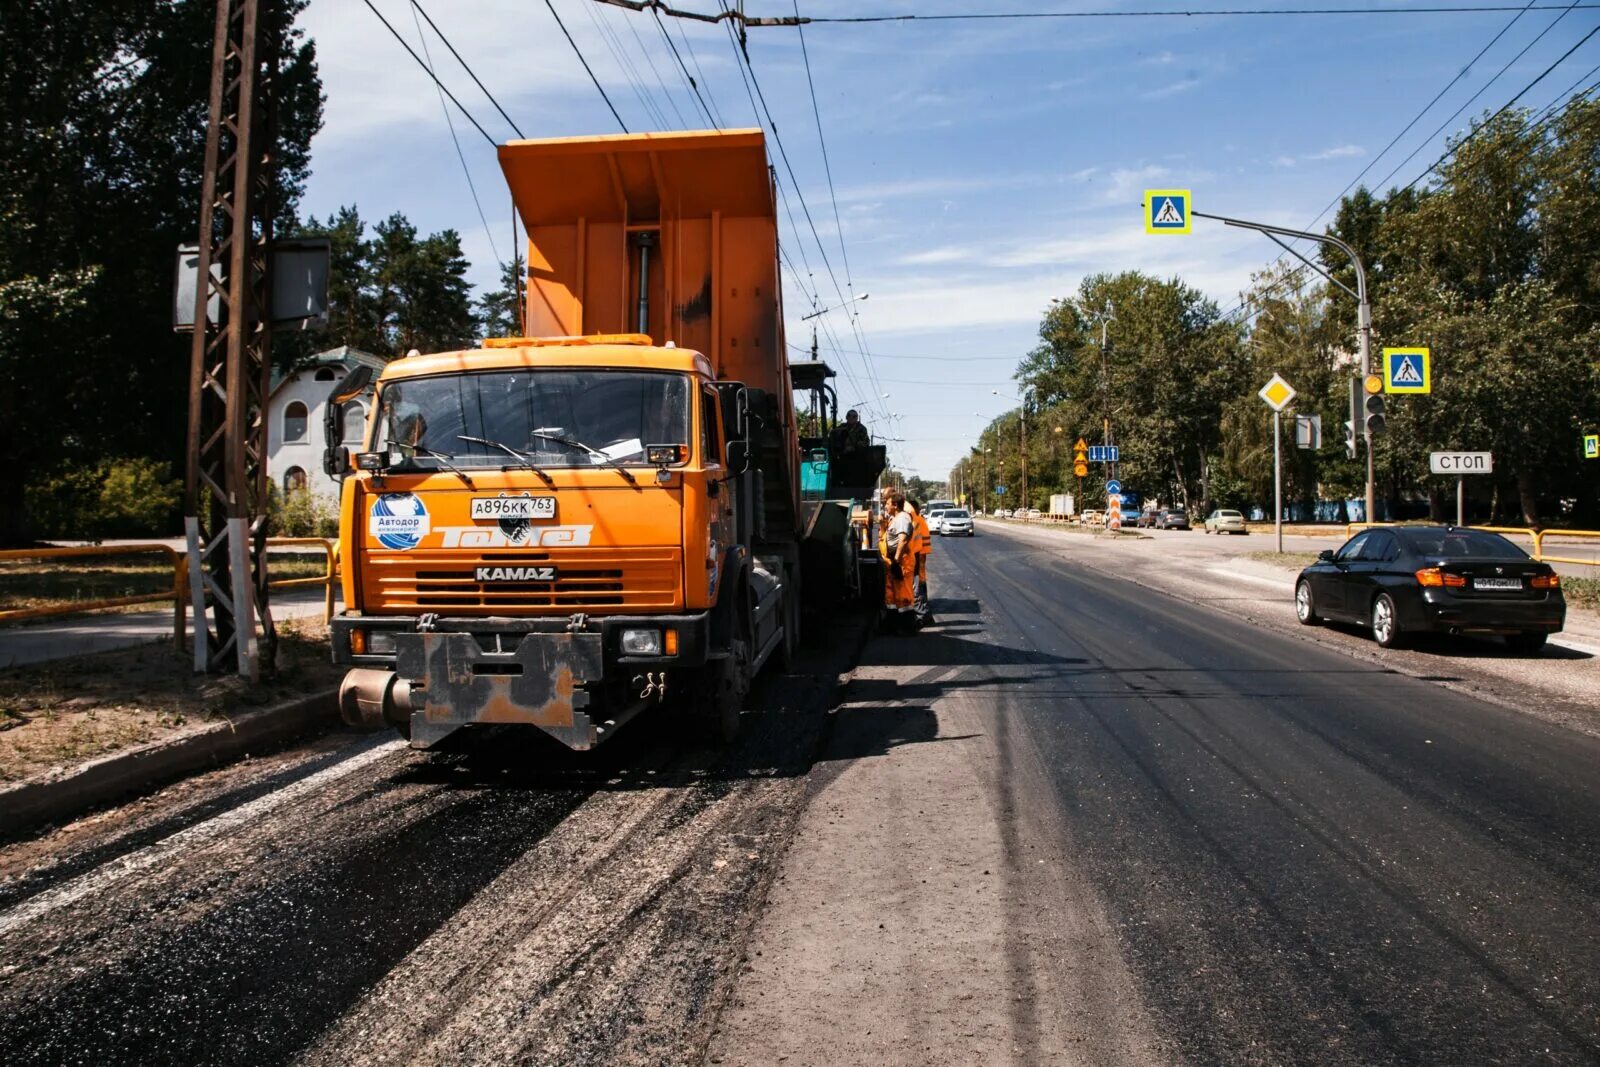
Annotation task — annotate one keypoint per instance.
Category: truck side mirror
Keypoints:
(738, 457)
(336, 458)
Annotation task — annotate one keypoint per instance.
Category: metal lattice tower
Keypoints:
(225, 510)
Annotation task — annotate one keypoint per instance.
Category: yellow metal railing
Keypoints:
(1535, 536)
(1539, 548)
(178, 593)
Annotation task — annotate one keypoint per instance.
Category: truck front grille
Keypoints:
(586, 580)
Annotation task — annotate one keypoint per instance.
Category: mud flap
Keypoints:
(455, 683)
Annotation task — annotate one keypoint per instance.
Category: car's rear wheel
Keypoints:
(1385, 624)
(1304, 607)
(1526, 644)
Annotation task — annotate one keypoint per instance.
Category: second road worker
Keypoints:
(896, 546)
(923, 547)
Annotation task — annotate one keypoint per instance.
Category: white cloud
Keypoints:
(1173, 89)
(1343, 151)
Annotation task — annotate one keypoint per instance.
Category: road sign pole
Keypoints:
(1461, 501)
(1363, 307)
(1277, 477)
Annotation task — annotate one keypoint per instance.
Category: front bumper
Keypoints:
(568, 677)
(1441, 611)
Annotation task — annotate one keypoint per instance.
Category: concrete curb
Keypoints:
(64, 794)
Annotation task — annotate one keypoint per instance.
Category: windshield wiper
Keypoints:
(525, 457)
(444, 459)
(572, 443)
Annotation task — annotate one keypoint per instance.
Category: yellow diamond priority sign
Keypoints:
(1277, 393)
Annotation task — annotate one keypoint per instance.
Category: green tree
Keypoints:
(103, 117)
(497, 310)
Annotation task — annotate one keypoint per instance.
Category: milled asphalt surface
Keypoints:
(357, 902)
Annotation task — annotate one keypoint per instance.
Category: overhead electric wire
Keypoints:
(660, 82)
(744, 20)
(393, 32)
(1467, 68)
(711, 98)
(805, 208)
(579, 53)
(985, 16)
(1480, 127)
(422, 39)
(683, 68)
(613, 43)
(466, 67)
(1565, 10)
(827, 168)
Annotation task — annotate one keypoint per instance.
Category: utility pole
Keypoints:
(225, 500)
(1363, 309)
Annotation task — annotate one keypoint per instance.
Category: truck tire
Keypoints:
(716, 697)
(789, 647)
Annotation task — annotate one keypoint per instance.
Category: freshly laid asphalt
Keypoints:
(1307, 857)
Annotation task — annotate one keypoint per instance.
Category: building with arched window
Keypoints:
(296, 420)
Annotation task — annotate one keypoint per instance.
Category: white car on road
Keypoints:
(956, 522)
(1224, 520)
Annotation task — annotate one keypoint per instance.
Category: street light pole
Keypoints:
(1363, 309)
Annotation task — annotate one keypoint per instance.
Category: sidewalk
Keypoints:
(59, 638)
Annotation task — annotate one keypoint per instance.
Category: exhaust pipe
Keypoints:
(374, 698)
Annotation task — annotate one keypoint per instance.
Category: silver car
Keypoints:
(957, 522)
(1224, 520)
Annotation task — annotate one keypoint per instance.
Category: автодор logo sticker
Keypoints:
(399, 521)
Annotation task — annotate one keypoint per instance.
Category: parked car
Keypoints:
(1034, 513)
(1443, 579)
(934, 517)
(1172, 519)
(1224, 520)
(1147, 519)
(1003, 513)
(957, 522)
(1092, 517)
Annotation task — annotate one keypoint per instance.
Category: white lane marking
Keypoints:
(367, 752)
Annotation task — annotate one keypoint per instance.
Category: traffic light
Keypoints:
(1374, 407)
(1349, 438)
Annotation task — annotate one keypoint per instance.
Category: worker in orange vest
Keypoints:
(897, 548)
(924, 547)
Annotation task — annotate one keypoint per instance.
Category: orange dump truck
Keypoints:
(570, 527)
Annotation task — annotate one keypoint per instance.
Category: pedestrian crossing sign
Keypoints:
(1166, 211)
(1591, 446)
(1406, 370)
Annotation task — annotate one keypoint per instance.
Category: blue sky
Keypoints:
(981, 168)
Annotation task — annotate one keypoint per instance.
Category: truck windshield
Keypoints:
(542, 414)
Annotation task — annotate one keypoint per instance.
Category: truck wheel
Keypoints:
(717, 696)
(789, 647)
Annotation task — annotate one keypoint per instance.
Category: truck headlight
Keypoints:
(380, 642)
(641, 642)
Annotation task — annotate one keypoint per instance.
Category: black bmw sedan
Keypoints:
(1402, 580)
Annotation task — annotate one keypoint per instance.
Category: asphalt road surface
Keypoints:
(1299, 856)
(1306, 857)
